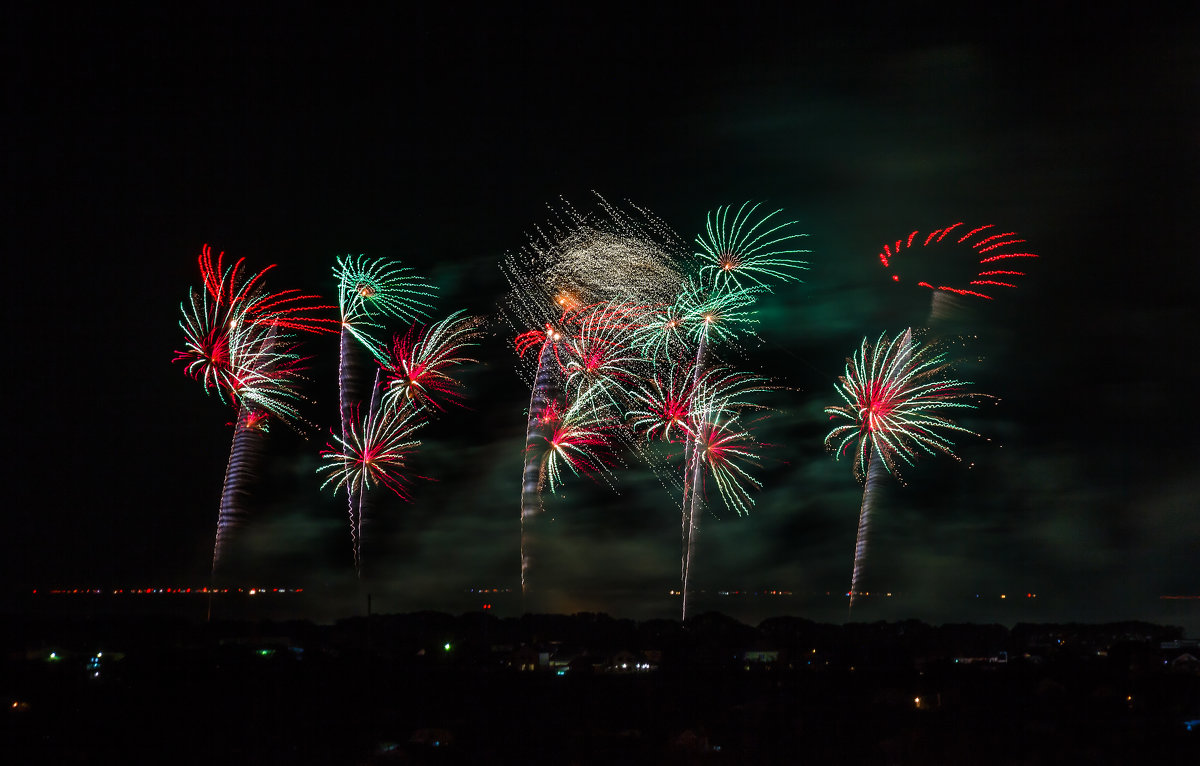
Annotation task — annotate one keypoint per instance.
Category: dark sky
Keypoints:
(442, 137)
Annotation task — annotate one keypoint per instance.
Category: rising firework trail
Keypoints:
(239, 343)
(894, 393)
(538, 427)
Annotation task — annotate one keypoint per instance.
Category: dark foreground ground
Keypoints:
(437, 689)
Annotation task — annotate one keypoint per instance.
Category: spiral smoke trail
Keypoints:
(875, 473)
(244, 452)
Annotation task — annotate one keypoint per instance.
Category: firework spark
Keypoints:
(598, 353)
(375, 452)
(893, 394)
(580, 440)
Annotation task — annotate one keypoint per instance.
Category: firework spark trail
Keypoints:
(239, 343)
(893, 392)
(875, 474)
(357, 495)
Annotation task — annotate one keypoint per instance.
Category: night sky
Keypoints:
(443, 137)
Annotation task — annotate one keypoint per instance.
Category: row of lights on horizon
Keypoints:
(122, 591)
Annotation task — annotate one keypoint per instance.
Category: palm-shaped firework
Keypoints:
(894, 393)
(411, 382)
(749, 249)
(239, 343)
(579, 439)
(584, 363)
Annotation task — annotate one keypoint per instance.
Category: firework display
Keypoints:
(749, 248)
(738, 257)
(894, 394)
(634, 350)
(375, 453)
(418, 366)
